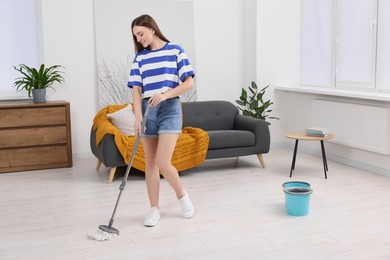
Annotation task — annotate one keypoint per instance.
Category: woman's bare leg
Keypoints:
(152, 174)
(165, 148)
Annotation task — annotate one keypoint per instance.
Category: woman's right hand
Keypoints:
(137, 127)
(137, 106)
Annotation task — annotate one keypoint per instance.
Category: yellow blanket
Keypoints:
(190, 150)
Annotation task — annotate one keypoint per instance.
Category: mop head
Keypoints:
(101, 235)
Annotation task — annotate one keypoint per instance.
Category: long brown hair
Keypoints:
(146, 21)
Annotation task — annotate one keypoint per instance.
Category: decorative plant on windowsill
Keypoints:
(37, 81)
(253, 105)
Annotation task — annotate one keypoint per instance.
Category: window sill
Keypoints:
(380, 96)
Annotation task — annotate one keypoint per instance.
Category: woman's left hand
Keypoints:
(157, 99)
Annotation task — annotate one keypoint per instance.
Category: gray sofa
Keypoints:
(231, 134)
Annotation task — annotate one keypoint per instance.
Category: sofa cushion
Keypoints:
(230, 138)
(209, 115)
(123, 119)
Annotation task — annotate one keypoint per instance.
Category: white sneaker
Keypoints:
(187, 209)
(152, 218)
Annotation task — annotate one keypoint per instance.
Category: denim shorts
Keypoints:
(165, 118)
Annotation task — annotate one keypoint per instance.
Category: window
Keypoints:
(19, 42)
(355, 43)
(345, 44)
(383, 46)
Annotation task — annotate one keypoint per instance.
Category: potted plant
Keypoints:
(253, 105)
(37, 81)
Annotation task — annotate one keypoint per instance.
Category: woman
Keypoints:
(160, 73)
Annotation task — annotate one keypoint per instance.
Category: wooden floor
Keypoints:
(240, 213)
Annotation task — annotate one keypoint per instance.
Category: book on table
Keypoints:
(317, 131)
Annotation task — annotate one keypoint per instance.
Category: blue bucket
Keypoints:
(296, 184)
(297, 200)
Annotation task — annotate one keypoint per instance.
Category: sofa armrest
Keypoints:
(107, 151)
(259, 128)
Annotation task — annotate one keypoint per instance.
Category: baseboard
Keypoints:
(278, 144)
(82, 155)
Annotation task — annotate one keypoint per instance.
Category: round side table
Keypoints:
(302, 136)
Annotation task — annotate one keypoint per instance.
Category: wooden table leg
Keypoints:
(98, 165)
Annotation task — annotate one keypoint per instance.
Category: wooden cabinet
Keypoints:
(34, 135)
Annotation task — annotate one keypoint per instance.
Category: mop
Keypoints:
(107, 232)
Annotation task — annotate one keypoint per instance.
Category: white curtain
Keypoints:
(316, 43)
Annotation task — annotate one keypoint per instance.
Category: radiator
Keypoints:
(360, 126)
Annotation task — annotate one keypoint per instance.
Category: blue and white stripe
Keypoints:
(157, 71)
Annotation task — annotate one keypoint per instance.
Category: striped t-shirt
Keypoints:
(157, 71)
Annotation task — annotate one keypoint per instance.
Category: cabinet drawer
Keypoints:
(32, 116)
(44, 156)
(32, 136)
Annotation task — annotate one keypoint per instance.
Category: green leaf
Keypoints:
(244, 93)
(254, 85)
(252, 90)
(263, 89)
(253, 104)
(240, 102)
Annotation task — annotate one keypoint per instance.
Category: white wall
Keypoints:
(250, 41)
(219, 49)
(277, 55)
(68, 39)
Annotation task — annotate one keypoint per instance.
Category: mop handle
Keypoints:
(122, 186)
